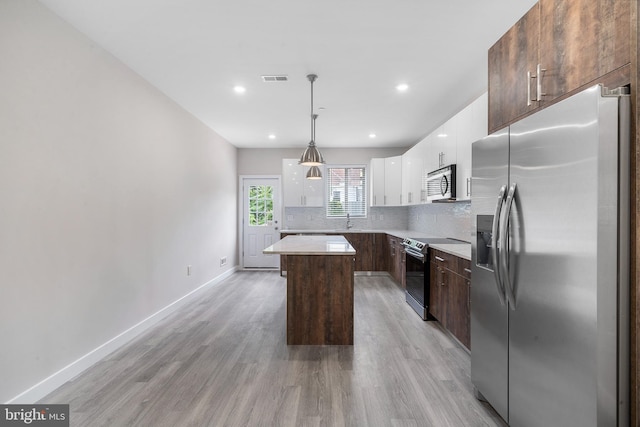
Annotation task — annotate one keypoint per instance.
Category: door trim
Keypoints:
(241, 179)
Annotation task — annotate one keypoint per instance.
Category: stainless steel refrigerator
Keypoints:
(550, 257)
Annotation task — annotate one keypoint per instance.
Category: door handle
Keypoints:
(494, 244)
(504, 251)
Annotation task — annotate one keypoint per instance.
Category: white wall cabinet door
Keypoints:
(472, 125)
(376, 178)
(299, 191)
(463, 166)
(313, 189)
(412, 167)
(446, 140)
(393, 181)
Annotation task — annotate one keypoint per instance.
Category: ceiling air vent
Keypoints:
(269, 79)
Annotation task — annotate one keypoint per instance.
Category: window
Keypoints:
(346, 191)
(260, 205)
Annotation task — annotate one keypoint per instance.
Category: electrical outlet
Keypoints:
(381, 217)
(188, 270)
(289, 217)
(223, 261)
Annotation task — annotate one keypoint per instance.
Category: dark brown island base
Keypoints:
(319, 289)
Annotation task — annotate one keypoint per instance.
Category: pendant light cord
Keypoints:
(312, 78)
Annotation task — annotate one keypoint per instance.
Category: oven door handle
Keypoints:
(415, 254)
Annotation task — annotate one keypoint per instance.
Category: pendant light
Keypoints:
(311, 156)
(314, 171)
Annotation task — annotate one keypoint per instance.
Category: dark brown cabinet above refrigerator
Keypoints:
(555, 50)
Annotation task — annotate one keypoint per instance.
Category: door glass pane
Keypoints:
(260, 205)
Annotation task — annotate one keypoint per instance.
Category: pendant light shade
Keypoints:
(314, 173)
(311, 156)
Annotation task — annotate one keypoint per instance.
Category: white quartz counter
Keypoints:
(462, 250)
(397, 233)
(311, 245)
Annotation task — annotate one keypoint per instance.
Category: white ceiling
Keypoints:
(196, 51)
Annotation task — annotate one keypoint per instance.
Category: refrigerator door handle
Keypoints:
(504, 250)
(494, 245)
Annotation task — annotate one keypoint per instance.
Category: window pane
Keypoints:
(260, 205)
(346, 192)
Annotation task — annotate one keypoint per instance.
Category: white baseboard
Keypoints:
(52, 382)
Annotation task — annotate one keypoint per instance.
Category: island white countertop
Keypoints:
(311, 245)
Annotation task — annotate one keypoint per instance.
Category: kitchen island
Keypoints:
(319, 289)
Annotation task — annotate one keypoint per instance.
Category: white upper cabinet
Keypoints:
(472, 126)
(385, 176)
(376, 179)
(393, 181)
(446, 138)
(299, 191)
(412, 171)
(401, 180)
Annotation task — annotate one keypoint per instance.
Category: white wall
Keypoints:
(108, 190)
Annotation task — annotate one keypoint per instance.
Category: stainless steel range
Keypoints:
(417, 271)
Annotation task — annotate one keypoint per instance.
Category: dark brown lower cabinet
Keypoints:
(396, 259)
(320, 300)
(450, 279)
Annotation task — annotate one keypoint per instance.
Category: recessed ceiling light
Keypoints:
(442, 135)
(402, 87)
(372, 135)
(271, 136)
(239, 89)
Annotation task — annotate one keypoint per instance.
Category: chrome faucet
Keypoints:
(349, 225)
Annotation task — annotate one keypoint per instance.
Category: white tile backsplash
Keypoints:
(442, 219)
(387, 218)
(437, 219)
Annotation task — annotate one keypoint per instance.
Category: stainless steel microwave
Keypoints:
(441, 184)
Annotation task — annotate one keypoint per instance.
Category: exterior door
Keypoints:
(260, 221)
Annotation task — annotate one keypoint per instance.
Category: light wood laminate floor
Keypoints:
(223, 361)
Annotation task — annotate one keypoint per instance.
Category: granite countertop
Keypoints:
(462, 250)
(311, 245)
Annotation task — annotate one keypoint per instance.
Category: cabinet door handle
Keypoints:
(468, 186)
(375, 200)
(439, 259)
(466, 270)
(539, 71)
(385, 199)
(529, 77)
